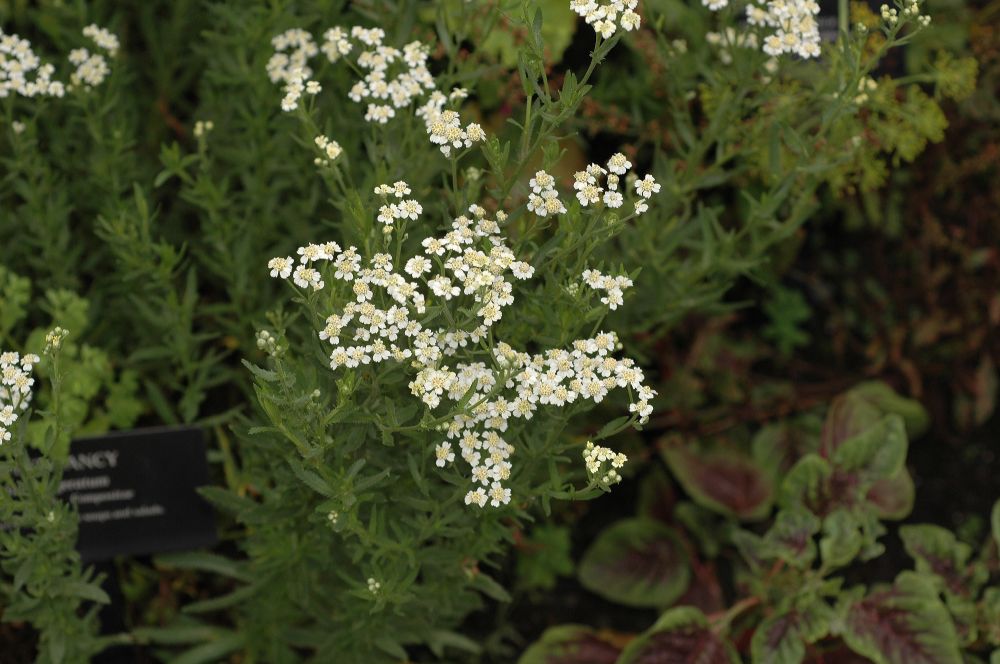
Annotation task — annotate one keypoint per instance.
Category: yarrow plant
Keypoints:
(23, 73)
(384, 315)
(456, 340)
(607, 17)
(15, 389)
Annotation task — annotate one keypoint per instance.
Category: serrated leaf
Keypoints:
(782, 638)
(876, 453)
(680, 636)
(728, 483)
(791, 537)
(938, 553)
(226, 500)
(808, 483)
(841, 541)
(637, 562)
(310, 478)
(904, 624)
(571, 644)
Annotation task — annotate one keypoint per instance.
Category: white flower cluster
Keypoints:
(92, 68)
(394, 78)
(103, 38)
(795, 27)
(15, 389)
(595, 456)
(912, 8)
(290, 65)
(401, 209)
(22, 72)
(607, 17)
(589, 190)
(544, 199)
(614, 287)
(374, 586)
(444, 126)
(384, 94)
(465, 271)
(54, 339)
(331, 150)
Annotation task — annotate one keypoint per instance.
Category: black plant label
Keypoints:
(135, 492)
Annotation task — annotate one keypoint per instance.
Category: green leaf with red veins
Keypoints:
(888, 402)
(637, 562)
(848, 416)
(878, 452)
(807, 484)
(681, 636)
(892, 498)
(842, 539)
(571, 644)
(938, 553)
(905, 623)
(728, 483)
(782, 638)
(791, 537)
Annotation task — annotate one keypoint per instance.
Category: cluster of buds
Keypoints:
(202, 127)
(329, 149)
(269, 344)
(54, 339)
(595, 457)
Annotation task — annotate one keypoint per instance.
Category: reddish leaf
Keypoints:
(904, 624)
(841, 655)
(892, 498)
(638, 562)
(571, 644)
(938, 552)
(657, 496)
(680, 636)
(728, 483)
(847, 417)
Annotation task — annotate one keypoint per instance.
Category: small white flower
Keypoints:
(281, 267)
(647, 186)
(443, 455)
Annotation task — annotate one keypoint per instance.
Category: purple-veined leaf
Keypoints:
(861, 407)
(904, 624)
(572, 644)
(726, 482)
(681, 636)
(782, 637)
(638, 562)
(892, 498)
(937, 552)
